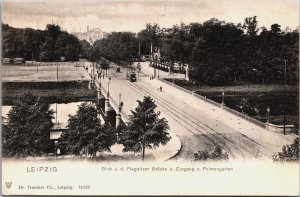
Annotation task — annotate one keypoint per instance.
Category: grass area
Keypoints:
(52, 92)
(66, 72)
(235, 90)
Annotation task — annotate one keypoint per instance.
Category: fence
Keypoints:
(244, 116)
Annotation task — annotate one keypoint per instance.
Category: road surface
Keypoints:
(199, 125)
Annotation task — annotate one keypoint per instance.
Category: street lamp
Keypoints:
(284, 102)
(57, 71)
(99, 77)
(55, 148)
(108, 87)
(173, 78)
(223, 93)
(193, 87)
(268, 114)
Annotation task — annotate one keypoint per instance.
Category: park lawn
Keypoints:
(48, 72)
(236, 89)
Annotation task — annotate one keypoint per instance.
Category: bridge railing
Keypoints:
(113, 102)
(242, 115)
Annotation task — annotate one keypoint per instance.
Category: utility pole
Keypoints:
(56, 113)
(56, 70)
(284, 103)
(139, 48)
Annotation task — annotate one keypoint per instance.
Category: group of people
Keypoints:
(160, 88)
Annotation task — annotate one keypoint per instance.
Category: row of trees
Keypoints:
(48, 45)
(30, 120)
(29, 124)
(219, 52)
(223, 53)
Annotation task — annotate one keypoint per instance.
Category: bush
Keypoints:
(217, 154)
(289, 153)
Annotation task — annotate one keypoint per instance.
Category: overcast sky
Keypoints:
(132, 16)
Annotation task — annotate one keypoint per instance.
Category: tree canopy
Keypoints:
(48, 45)
(145, 129)
(289, 152)
(86, 135)
(28, 129)
(218, 52)
(118, 47)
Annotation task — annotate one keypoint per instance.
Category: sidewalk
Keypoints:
(270, 139)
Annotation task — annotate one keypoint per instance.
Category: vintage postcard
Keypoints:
(150, 97)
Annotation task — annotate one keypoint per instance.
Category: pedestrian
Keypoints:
(160, 89)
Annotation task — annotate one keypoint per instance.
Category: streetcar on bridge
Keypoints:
(131, 76)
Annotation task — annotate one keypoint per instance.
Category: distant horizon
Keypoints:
(132, 16)
(84, 30)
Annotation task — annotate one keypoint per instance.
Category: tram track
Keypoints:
(192, 124)
(189, 120)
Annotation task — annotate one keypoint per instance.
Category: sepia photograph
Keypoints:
(150, 97)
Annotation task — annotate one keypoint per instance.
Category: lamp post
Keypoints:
(57, 71)
(268, 115)
(173, 79)
(109, 79)
(193, 87)
(55, 147)
(118, 116)
(100, 75)
(284, 102)
(223, 93)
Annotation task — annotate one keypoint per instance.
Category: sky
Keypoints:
(123, 15)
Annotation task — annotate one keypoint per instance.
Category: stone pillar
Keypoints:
(107, 107)
(102, 121)
(187, 77)
(118, 120)
(90, 84)
(98, 93)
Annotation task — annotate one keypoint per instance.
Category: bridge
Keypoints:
(199, 124)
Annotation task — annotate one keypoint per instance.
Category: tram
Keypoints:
(131, 76)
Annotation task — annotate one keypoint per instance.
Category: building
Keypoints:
(91, 35)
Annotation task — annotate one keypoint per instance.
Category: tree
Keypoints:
(289, 152)
(250, 25)
(104, 64)
(5, 136)
(118, 47)
(217, 154)
(86, 135)
(149, 35)
(145, 129)
(67, 46)
(29, 124)
(47, 45)
(85, 49)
